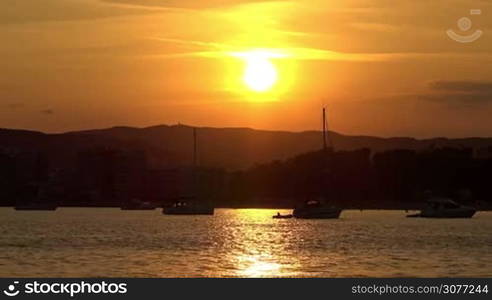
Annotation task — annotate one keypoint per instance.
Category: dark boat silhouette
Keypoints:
(36, 206)
(39, 196)
(190, 205)
(315, 209)
(444, 208)
(188, 208)
(279, 216)
(319, 208)
(136, 204)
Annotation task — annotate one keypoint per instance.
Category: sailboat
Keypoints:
(137, 204)
(41, 200)
(41, 193)
(444, 208)
(191, 205)
(319, 208)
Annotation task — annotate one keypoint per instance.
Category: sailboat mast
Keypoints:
(195, 162)
(325, 147)
(194, 148)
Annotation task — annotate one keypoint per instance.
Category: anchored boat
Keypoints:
(191, 205)
(39, 196)
(279, 216)
(319, 208)
(444, 208)
(136, 204)
(188, 208)
(36, 206)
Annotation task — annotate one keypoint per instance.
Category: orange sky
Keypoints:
(383, 68)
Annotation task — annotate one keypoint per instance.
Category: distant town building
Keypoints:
(111, 176)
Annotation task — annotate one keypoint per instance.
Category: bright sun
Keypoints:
(260, 74)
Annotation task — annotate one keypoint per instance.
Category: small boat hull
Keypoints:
(331, 213)
(137, 208)
(283, 216)
(444, 208)
(35, 207)
(187, 211)
(136, 204)
(445, 215)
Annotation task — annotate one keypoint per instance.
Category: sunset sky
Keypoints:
(384, 68)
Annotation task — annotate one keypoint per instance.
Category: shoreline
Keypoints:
(252, 207)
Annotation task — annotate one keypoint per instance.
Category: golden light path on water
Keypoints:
(109, 242)
(260, 261)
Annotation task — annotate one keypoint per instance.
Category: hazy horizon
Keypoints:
(246, 128)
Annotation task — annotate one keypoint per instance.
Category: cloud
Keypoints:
(461, 93)
(185, 4)
(47, 111)
(15, 105)
(460, 99)
(462, 86)
(211, 49)
(375, 27)
(28, 11)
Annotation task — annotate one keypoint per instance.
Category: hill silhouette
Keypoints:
(229, 148)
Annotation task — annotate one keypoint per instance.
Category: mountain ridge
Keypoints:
(228, 147)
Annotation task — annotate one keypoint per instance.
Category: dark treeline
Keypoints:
(100, 177)
(352, 179)
(358, 179)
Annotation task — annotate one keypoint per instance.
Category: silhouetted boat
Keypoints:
(39, 196)
(188, 208)
(316, 210)
(36, 206)
(444, 208)
(138, 205)
(191, 205)
(279, 216)
(319, 209)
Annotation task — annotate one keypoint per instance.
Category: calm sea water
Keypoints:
(104, 242)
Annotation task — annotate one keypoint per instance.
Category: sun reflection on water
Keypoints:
(258, 247)
(258, 266)
(87, 242)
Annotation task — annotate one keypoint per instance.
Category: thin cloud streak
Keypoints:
(219, 50)
(185, 4)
